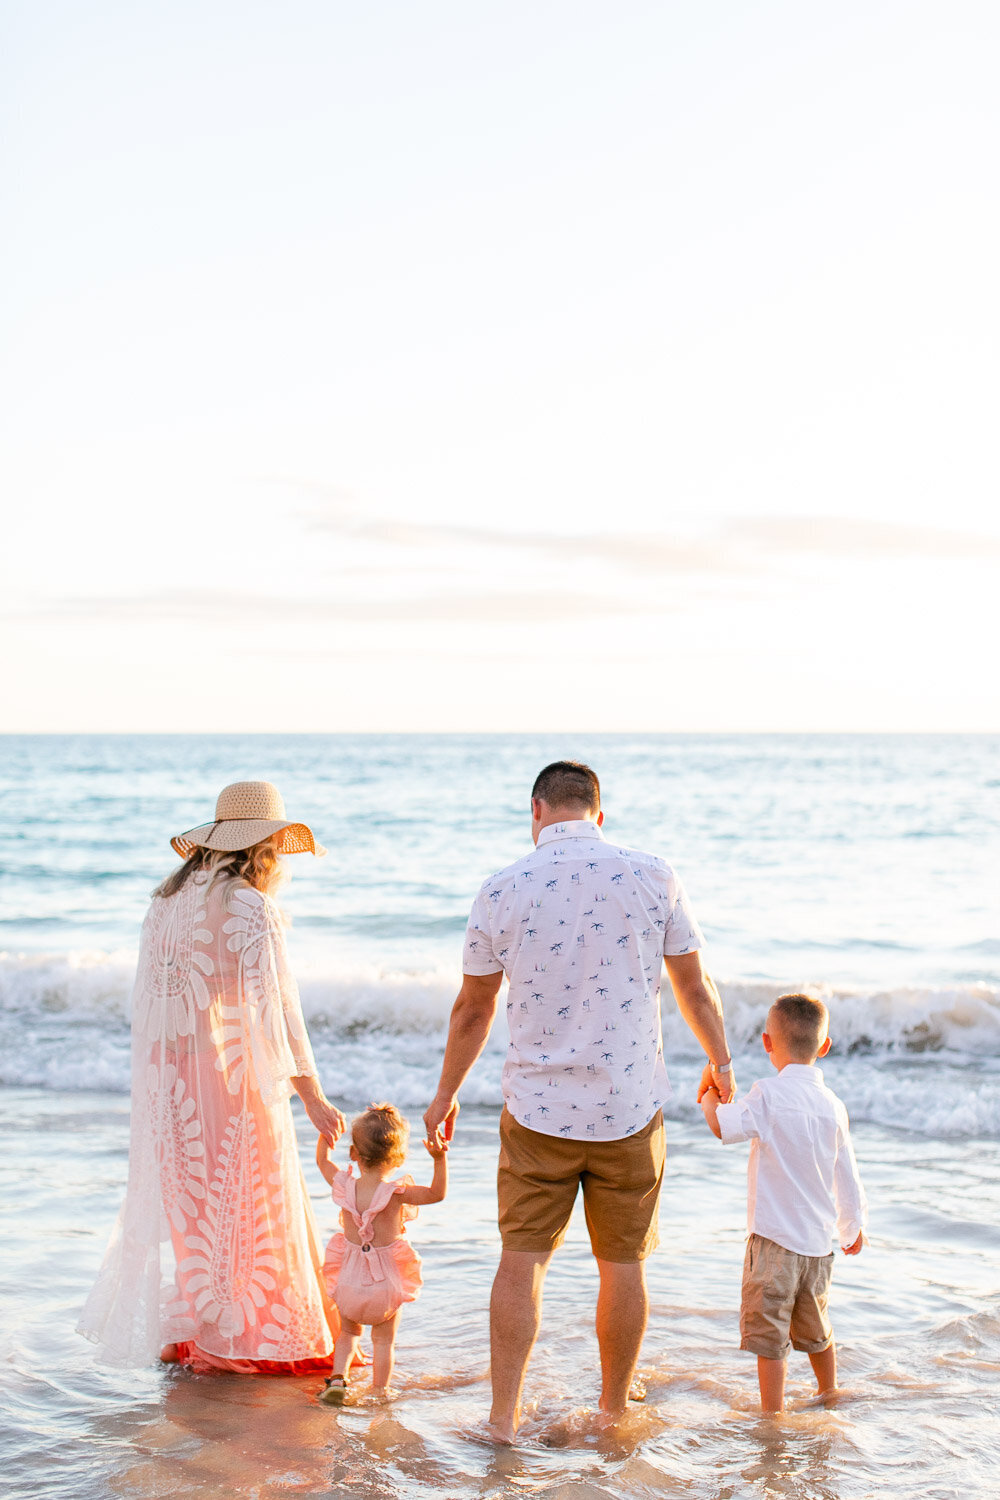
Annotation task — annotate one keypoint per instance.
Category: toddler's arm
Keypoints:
(323, 1161)
(710, 1101)
(439, 1182)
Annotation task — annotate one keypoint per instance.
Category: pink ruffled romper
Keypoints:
(370, 1282)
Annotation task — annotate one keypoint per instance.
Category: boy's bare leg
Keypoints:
(825, 1368)
(346, 1346)
(515, 1314)
(384, 1352)
(622, 1310)
(771, 1375)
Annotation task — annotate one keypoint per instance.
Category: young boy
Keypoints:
(802, 1184)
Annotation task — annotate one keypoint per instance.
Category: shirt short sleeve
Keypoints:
(478, 956)
(742, 1120)
(681, 933)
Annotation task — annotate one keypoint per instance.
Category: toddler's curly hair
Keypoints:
(380, 1136)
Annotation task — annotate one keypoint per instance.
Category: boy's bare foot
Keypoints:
(503, 1437)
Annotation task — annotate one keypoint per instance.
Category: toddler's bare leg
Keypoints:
(771, 1375)
(384, 1353)
(346, 1346)
(825, 1368)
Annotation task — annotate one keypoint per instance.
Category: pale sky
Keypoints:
(464, 366)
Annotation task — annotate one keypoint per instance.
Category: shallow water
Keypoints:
(916, 1318)
(863, 867)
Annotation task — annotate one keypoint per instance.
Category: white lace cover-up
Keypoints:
(216, 1243)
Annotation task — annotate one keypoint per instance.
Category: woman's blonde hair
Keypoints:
(258, 866)
(380, 1136)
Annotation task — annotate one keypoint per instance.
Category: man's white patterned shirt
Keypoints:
(580, 927)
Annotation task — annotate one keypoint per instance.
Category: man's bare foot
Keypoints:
(502, 1436)
(169, 1354)
(609, 1418)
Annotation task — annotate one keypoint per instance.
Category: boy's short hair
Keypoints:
(568, 783)
(803, 1022)
(380, 1136)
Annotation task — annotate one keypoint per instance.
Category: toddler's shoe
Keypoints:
(334, 1393)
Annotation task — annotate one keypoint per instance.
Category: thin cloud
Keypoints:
(833, 536)
(728, 546)
(522, 607)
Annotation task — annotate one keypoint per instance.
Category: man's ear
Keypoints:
(768, 1044)
(599, 819)
(825, 1047)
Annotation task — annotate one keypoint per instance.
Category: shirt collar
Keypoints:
(576, 828)
(804, 1072)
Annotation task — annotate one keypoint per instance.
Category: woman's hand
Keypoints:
(327, 1119)
(325, 1116)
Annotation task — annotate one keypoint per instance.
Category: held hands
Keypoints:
(723, 1083)
(327, 1118)
(854, 1249)
(437, 1149)
(439, 1121)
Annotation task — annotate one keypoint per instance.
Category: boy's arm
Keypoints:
(323, 1161)
(416, 1194)
(710, 1102)
(852, 1206)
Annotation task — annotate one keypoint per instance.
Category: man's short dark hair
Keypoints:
(568, 783)
(803, 1022)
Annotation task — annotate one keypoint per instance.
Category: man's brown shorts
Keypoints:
(539, 1175)
(784, 1294)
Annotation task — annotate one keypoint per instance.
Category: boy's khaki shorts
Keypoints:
(539, 1175)
(784, 1294)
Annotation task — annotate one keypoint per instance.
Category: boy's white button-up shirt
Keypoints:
(580, 926)
(802, 1178)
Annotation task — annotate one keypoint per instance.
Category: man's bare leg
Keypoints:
(622, 1310)
(825, 1369)
(515, 1314)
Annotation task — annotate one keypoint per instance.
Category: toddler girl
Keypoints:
(370, 1268)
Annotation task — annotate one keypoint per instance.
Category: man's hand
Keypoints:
(698, 1002)
(725, 1083)
(439, 1121)
(854, 1249)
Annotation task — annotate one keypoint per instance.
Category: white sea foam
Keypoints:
(925, 1060)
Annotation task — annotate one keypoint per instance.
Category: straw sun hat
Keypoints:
(245, 814)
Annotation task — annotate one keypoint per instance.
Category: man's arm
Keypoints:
(698, 1002)
(471, 1019)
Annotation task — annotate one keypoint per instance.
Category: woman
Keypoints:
(215, 1260)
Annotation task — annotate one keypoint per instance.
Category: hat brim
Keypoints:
(231, 834)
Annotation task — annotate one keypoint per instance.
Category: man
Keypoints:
(581, 928)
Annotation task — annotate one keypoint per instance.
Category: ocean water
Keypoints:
(864, 868)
